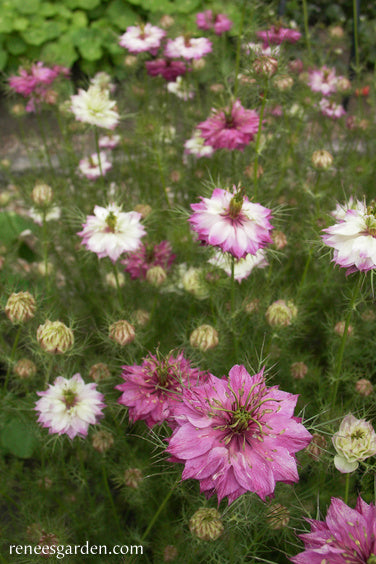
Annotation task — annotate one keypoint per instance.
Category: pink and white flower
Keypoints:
(259, 49)
(109, 141)
(153, 389)
(95, 107)
(331, 109)
(181, 89)
(69, 406)
(188, 48)
(353, 239)
(236, 435)
(233, 223)
(149, 256)
(196, 146)
(90, 168)
(111, 232)
(243, 266)
(167, 68)
(232, 128)
(346, 535)
(340, 212)
(277, 35)
(323, 80)
(220, 23)
(141, 38)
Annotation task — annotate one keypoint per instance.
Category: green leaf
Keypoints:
(18, 438)
(84, 4)
(48, 9)
(27, 6)
(11, 225)
(120, 14)
(89, 43)
(3, 59)
(79, 19)
(6, 23)
(170, 6)
(15, 45)
(60, 52)
(42, 31)
(19, 24)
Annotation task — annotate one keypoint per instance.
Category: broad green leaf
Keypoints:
(60, 52)
(48, 9)
(3, 59)
(27, 6)
(42, 31)
(12, 224)
(15, 45)
(170, 6)
(89, 43)
(121, 14)
(83, 4)
(79, 19)
(6, 23)
(19, 24)
(18, 438)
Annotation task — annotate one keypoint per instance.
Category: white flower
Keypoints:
(181, 89)
(109, 141)
(193, 48)
(70, 406)
(340, 212)
(355, 441)
(111, 232)
(90, 168)
(53, 212)
(259, 49)
(95, 107)
(242, 267)
(196, 146)
(138, 39)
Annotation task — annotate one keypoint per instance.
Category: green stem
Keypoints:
(116, 275)
(237, 60)
(162, 175)
(12, 354)
(232, 284)
(45, 252)
(304, 275)
(44, 140)
(347, 487)
(306, 28)
(96, 137)
(255, 165)
(343, 341)
(48, 371)
(111, 499)
(356, 38)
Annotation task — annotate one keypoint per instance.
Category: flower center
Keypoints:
(236, 204)
(69, 398)
(358, 434)
(372, 559)
(240, 420)
(111, 221)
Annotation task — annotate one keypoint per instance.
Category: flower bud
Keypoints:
(133, 478)
(279, 239)
(141, 317)
(130, 61)
(143, 209)
(322, 159)
(170, 552)
(252, 306)
(55, 337)
(122, 332)
(20, 307)
(25, 368)
(192, 281)
(204, 338)
(265, 65)
(280, 313)
(156, 275)
(354, 441)
(343, 84)
(336, 32)
(111, 280)
(102, 441)
(364, 387)
(339, 328)
(166, 21)
(298, 370)
(99, 372)
(42, 194)
(278, 516)
(316, 446)
(283, 83)
(206, 524)
(198, 64)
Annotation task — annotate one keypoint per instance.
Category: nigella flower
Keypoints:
(354, 441)
(220, 23)
(353, 239)
(90, 168)
(277, 35)
(243, 266)
(347, 536)
(69, 406)
(232, 128)
(196, 146)
(153, 389)
(323, 80)
(95, 107)
(237, 435)
(148, 256)
(331, 109)
(167, 68)
(109, 141)
(232, 222)
(181, 89)
(111, 232)
(259, 49)
(141, 38)
(188, 48)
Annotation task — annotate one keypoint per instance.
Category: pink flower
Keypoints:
(70, 406)
(353, 238)
(111, 232)
(90, 168)
(346, 535)
(145, 37)
(232, 128)
(24, 83)
(148, 256)
(204, 20)
(220, 23)
(277, 35)
(153, 390)
(237, 435)
(323, 80)
(109, 141)
(193, 48)
(331, 109)
(170, 70)
(232, 222)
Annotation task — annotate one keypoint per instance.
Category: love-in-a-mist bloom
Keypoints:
(69, 406)
(181, 89)
(152, 390)
(277, 35)
(219, 23)
(323, 80)
(148, 256)
(231, 128)
(111, 232)
(347, 536)
(167, 68)
(93, 106)
(243, 266)
(141, 38)
(331, 109)
(354, 441)
(196, 146)
(188, 48)
(353, 238)
(95, 166)
(236, 435)
(233, 223)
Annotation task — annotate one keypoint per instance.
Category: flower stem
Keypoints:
(44, 141)
(116, 275)
(110, 498)
(257, 147)
(306, 28)
(96, 137)
(356, 37)
(45, 252)
(343, 341)
(347, 487)
(237, 60)
(12, 354)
